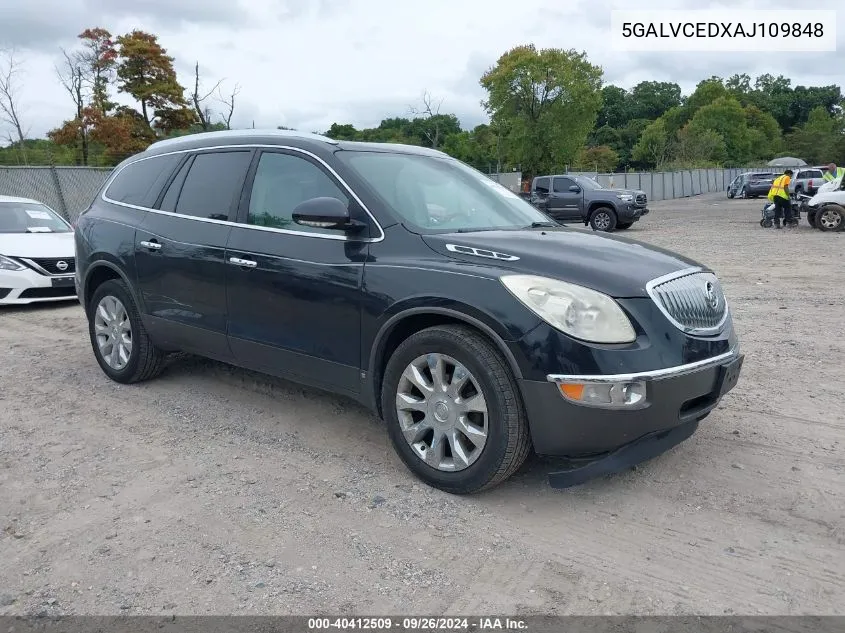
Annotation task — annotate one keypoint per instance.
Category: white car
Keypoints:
(826, 210)
(37, 256)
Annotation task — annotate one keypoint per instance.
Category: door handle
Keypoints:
(151, 245)
(248, 263)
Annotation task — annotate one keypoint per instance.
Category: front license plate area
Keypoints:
(730, 375)
(62, 282)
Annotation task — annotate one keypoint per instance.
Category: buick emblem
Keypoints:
(61, 265)
(710, 293)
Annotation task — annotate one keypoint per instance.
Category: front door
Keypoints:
(294, 292)
(180, 253)
(563, 203)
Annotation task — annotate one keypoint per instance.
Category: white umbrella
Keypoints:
(786, 161)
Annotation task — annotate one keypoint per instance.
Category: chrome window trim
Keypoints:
(250, 146)
(649, 287)
(655, 374)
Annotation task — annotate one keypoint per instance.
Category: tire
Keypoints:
(508, 440)
(743, 193)
(621, 226)
(144, 360)
(731, 194)
(766, 224)
(603, 219)
(831, 218)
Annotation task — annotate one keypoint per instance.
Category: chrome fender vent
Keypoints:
(480, 252)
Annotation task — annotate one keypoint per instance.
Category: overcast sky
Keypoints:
(308, 63)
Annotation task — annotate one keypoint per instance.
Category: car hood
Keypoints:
(598, 193)
(616, 266)
(826, 197)
(37, 244)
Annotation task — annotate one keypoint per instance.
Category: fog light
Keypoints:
(608, 395)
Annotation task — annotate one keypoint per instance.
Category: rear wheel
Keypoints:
(603, 219)
(831, 218)
(121, 345)
(453, 410)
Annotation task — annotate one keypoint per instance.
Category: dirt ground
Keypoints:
(214, 490)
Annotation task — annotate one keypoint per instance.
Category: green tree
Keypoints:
(706, 92)
(546, 102)
(651, 99)
(146, 72)
(600, 159)
(818, 141)
(615, 111)
(653, 147)
(695, 148)
(726, 117)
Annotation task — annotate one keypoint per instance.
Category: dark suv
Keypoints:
(401, 277)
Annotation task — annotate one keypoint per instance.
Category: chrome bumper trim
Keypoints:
(655, 374)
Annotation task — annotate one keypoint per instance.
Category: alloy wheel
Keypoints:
(602, 221)
(829, 220)
(442, 412)
(113, 332)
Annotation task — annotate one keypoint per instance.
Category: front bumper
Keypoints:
(632, 212)
(20, 287)
(674, 397)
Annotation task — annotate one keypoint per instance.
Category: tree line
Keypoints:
(549, 111)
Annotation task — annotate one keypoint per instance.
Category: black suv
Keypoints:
(401, 277)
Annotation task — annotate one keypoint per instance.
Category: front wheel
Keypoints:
(121, 344)
(831, 218)
(453, 410)
(603, 219)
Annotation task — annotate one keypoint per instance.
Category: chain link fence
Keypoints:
(70, 190)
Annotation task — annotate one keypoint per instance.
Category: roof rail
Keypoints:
(179, 140)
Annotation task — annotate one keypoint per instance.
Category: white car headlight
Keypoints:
(625, 197)
(574, 310)
(9, 264)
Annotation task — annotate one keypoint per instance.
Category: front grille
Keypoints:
(642, 199)
(51, 264)
(48, 293)
(693, 301)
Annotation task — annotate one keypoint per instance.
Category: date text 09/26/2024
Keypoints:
(417, 624)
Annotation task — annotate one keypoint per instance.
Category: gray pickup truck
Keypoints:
(570, 198)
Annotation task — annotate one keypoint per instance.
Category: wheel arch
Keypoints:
(412, 320)
(97, 274)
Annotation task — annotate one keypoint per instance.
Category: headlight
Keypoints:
(574, 310)
(7, 263)
(625, 197)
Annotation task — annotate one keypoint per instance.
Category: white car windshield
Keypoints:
(30, 217)
(434, 194)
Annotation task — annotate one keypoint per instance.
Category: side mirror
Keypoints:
(325, 213)
(575, 189)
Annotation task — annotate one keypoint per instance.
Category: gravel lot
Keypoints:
(214, 490)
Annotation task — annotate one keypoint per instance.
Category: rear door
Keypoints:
(540, 191)
(563, 203)
(180, 252)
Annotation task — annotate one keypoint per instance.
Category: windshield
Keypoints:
(441, 194)
(30, 217)
(588, 183)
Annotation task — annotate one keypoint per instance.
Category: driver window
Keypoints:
(281, 183)
(562, 185)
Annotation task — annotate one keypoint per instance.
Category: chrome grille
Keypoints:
(692, 300)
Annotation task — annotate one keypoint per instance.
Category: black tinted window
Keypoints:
(282, 182)
(562, 185)
(172, 195)
(541, 185)
(213, 185)
(140, 183)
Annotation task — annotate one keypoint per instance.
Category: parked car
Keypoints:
(806, 181)
(36, 253)
(751, 185)
(475, 337)
(826, 210)
(573, 198)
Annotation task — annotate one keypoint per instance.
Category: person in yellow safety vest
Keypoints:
(779, 194)
(833, 172)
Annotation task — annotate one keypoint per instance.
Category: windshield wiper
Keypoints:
(542, 225)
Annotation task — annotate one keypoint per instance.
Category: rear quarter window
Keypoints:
(141, 182)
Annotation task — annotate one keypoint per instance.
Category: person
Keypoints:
(779, 194)
(833, 172)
